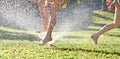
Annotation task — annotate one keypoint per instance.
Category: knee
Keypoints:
(53, 21)
(116, 24)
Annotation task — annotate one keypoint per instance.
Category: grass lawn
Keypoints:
(17, 44)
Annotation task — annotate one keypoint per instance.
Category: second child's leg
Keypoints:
(103, 30)
(108, 27)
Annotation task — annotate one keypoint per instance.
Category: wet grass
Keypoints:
(15, 44)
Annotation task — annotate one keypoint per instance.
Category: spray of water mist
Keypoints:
(21, 14)
(74, 19)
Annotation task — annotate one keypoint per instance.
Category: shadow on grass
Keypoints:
(114, 35)
(116, 44)
(87, 50)
(91, 29)
(17, 36)
(95, 24)
(71, 36)
(100, 16)
(99, 24)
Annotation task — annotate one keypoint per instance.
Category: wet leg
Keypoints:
(48, 36)
(43, 7)
(103, 30)
(108, 27)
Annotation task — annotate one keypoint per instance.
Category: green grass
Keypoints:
(17, 44)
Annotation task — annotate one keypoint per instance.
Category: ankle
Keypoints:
(96, 35)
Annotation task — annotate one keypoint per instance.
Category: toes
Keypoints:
(46, 40)
(41, 43)
(95, 41)
(94, 38)
(50, 45)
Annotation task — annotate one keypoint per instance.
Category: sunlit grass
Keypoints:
(13, 30)
(73, 45)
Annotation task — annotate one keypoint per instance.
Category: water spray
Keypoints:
(21, 14)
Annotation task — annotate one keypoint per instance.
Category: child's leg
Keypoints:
(53, 10)
(44, 13)
(108, 27)
(103, 30)
(48, 36)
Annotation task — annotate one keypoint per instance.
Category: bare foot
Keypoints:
(94, 37)
(45, 40)
(50, 45)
